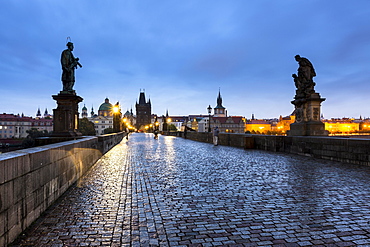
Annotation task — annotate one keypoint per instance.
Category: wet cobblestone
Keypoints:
(176, 192)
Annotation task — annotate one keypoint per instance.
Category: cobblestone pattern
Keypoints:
(176, 192)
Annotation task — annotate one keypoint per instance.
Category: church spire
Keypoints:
(219, 110)
(38, 114)
(219, 98)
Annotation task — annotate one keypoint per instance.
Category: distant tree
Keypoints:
(108, 131)
(172, 127)
(86, 127)
(33, 133)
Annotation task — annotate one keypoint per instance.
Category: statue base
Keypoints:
(312, 128)
(308, 111)
(65, 118)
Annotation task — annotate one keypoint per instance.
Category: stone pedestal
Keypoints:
(66, 115)
(312, 128)
(308, 113)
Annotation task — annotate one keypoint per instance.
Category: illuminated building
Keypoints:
(104, 119)
(231, 124)
(255, 126)
(284, 124)
(341, 126)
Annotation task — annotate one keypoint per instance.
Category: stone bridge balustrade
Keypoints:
(32, 179)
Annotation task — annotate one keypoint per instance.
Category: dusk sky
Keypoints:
(182, 52)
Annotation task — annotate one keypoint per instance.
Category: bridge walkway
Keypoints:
(177, 192)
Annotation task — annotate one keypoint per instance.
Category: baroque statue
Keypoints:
(69, 64)
(304, 80)
(307, 102)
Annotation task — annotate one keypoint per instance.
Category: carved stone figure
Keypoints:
(304, 80)
(307, 102)
(69, 64)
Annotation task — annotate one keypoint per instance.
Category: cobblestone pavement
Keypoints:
(176, 192)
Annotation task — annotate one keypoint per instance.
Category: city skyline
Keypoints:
(182, 53)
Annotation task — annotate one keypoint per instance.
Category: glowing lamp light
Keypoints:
(115, 109)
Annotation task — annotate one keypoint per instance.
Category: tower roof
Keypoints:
(219, 100)
(38, 114)
(142, 98)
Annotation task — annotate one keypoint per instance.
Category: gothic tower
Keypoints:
(219, 110)
(143, 112)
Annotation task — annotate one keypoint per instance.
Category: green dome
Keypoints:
(106, 106)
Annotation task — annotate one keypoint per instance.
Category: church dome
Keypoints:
(106, 106)
(84, 108)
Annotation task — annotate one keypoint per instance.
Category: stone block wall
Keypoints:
(32, 179)
(349, 150)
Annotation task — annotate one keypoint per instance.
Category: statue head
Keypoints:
(70, 46)
(297, 57)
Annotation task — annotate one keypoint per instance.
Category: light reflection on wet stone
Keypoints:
(176, 192)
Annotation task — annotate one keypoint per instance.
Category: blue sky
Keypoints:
(182, 52)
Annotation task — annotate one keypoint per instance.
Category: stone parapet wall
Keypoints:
(349, 150)
(106, 142)
(32, 179)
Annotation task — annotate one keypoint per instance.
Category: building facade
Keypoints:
(16, 126)
(104, 119)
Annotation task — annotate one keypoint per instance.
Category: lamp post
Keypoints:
(156, 124)
(168, 123)
(116, 118)
(209, 117)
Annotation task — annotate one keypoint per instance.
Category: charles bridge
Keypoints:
(174, 191)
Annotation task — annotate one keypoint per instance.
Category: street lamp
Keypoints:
(209, 117)
(117, 118)
(168, 123)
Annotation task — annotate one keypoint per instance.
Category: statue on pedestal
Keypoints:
(306, 101)
(69, 64)
(65, 120)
